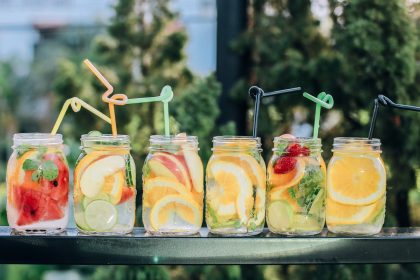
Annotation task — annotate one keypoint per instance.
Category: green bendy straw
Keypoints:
(165, 96)
(322, 100)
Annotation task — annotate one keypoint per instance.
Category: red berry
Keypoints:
(305, 151)
(284, 165)
(295, 150)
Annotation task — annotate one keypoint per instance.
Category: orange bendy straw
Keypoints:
(116, 99)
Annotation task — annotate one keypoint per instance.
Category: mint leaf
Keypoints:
(30, 164)
(36, 175)
(49, 170)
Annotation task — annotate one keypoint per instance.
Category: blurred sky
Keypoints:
(19, 20)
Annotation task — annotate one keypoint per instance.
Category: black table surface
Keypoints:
(392, 245)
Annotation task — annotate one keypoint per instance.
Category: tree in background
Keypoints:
(286, 49)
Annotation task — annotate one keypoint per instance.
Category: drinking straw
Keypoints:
(386, 102)
(258, 94)
(116, 99)
(165, 96)
(322, 100)
(76, 104)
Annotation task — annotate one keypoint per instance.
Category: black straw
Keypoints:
(258, 94)
(386, 102)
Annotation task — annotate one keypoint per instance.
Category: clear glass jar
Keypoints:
(37, 184)
(296, 187)
(236, 186)
(173, 186)
(105, 185)
(356, 187)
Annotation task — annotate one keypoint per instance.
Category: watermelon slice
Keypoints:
(35, 206)
(58, 188)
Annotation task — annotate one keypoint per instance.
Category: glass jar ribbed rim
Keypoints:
(356, 144)
(229, 142)
(36, 139)
(157, 142)
(314, 144)
(119, 140)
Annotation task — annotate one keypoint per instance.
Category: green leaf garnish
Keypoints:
(49, 170)
(94, 133)
(30, 164)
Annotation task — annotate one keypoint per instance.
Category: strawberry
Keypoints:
(284, 165)
(295, 150)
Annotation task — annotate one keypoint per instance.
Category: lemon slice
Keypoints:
(93, 178)
(233, 186)
(182, 205)
(356, 180)
(341, 214)
(100, 215)
(279, 215)
(159, 187)
(251, 166)
(287, 180)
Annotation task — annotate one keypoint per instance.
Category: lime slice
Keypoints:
(100, 196)
(318, 204)
(100, 215)
(280, 215)
(79, 217)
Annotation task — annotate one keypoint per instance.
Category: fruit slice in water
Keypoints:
(170, 205)
(159, 187)
(100, 215)
(93, 178)
(356, 180)
(280, 215)
(100, 196)
(251, 166)
(166, 165)
(341, 214)
(113, 186)
(233, 186)
(127, 193)
(284, 194)
(195, 167)
(288, 179)
(318, 204)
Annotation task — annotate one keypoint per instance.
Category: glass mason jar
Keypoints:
(356, 187)
(173, 186)
(37, 184)
(296, 187)
(235, 186)
(105, 185)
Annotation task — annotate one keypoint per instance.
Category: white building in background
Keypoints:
(19, 20)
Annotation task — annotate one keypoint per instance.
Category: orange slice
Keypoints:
(356, 180)
(232, 186)
(287, 180)
(341, 214)
(252, 167)
(113, 186)
(182, 205)
(157, 188)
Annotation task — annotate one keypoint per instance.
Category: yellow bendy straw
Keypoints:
(76, 104)
(116, 99)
